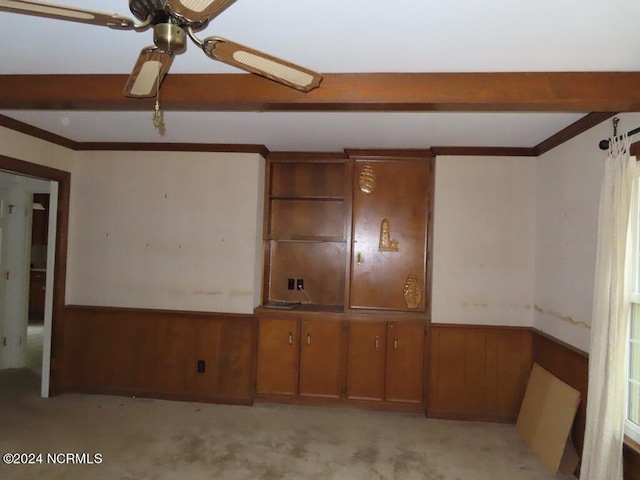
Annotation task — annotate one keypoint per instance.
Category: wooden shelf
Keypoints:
(301, 308)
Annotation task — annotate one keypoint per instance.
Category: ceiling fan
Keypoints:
(172, 22)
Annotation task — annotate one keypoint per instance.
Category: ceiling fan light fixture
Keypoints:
(170, 37)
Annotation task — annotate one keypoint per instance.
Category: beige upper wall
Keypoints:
(567, 197)
(484, 234)
(168, 230)
(24, 147)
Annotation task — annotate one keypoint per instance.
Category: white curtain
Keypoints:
(602, 453)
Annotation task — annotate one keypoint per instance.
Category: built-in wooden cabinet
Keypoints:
(299, 355)
(388, 262)
(306, 223)
(385, 360)
(278, 356)
(321, 353)
(354, 229)
(405, 347)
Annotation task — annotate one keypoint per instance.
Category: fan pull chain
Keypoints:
(158, 114)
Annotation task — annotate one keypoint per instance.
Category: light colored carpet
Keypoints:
(156, 440)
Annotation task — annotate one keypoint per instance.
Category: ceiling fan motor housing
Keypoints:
(170, 37)
(142, 9)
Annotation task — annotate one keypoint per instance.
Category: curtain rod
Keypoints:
(604, 144)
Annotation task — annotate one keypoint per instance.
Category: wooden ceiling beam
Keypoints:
(370, 92)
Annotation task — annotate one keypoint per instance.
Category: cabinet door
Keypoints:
(404, 362)
(366, 363)
(389, 234)
(278, 343)
(321, 358)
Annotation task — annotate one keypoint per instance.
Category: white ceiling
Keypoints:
(337, 36)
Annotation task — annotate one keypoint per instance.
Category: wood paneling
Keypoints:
(631, 462)
(572, 367)
(478, 372)
(156, 353)
(501, 91)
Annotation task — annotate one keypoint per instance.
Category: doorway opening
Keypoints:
(25, 259)
(15, 269)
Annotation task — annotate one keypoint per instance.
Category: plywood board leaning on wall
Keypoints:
(546, 416)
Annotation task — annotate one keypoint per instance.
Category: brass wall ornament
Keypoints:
(367, 180)
(412, 292)
(386, 244)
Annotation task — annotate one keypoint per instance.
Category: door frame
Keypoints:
(21, 167)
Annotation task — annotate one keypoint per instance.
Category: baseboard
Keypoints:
(179, 397)
(471, 416)
(341, 402)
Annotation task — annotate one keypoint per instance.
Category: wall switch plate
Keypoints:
(291, 284)
(200, 366)
(300, 284)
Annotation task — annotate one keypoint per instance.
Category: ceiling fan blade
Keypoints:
(260, 63)
(148, 73)
(199, 10)
(49, 10)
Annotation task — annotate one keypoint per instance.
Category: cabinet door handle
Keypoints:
(290, 338)
(376, 343)
(359, 258)
(395, 343)
(308, 339)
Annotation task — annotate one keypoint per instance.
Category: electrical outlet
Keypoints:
(200, 366)
(300, 284)
(291, 284)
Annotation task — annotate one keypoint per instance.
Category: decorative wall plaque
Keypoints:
(367, 180)
(412, 292)
(386, 244)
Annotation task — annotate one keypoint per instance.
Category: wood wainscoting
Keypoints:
(157, 353)
(478, 373)
(570, 365)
